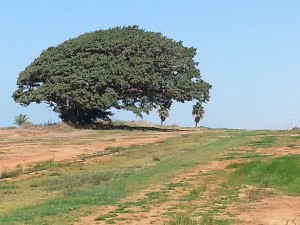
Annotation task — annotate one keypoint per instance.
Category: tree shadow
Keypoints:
(111, 126)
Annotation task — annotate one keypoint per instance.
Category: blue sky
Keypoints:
(248, 50)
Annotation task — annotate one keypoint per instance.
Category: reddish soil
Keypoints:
(274, 210)
(280, 151)
(25, 147)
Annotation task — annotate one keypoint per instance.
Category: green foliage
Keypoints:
(20, 119)
(124, 68)
(163, 114)
(198, 112)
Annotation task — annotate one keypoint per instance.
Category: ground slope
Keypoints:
(193, 176)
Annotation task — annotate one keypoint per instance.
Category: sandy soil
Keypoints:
(274, 210)
(25, 147)
(280, 151)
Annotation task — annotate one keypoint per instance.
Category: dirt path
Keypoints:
(270, 210)
(158, 212)
(24, 147)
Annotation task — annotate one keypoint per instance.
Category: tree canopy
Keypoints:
(124, 68)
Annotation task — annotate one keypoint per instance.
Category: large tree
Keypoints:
(124, 68)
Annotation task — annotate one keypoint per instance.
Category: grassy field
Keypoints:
(196, 177)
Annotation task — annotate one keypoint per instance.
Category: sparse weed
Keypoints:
(183, 220)
(235, 165)
(194, 193)
(156, 158)
(115, 149)
(11, 173)
(47, 165)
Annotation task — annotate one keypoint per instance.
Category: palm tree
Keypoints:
(198, 112)
(20, 119)
(163, 114)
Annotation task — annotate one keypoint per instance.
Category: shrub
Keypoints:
(20, 119)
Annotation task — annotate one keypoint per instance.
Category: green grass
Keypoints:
(281, 173)
(205, 220)
(156, 196)
(235, 165)
(265, 142)
(194, 193)
(47, 165)
(172, 186)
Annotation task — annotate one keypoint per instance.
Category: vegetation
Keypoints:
(175, 176)
(198, 112)
(183, 220)
(282, 173)
(124, 68)
(163, 114)
(20, 119)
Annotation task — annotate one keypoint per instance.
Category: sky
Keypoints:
(249, 51)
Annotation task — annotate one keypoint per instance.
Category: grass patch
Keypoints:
(47, 165)
(183, 220)
(205, 220)
(72, 184)
(265, 142)
(115, 149)
(11, 173)
(282, 173)
(156, 158)
(235, 165)
(156, 196)
(209, 220)
(172, 186)
(194, 193)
